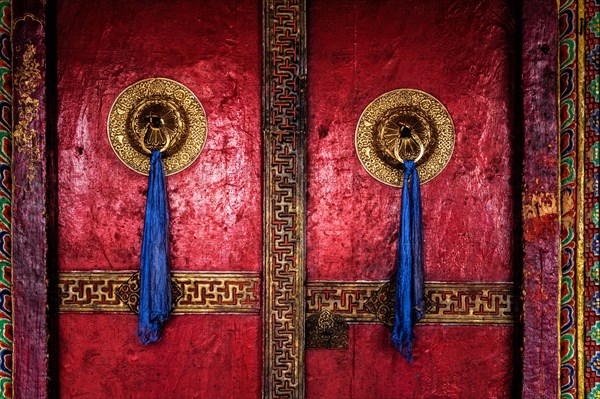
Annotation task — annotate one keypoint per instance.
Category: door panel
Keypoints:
(215, 204)
(464, 56)
(214, 48)
(362, 51)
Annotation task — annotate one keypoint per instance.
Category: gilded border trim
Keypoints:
(580, 225)
(238, 293)
(201, 292)
(284, 196)
(448, 303)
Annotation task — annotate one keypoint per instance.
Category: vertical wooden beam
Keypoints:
(540, 199)
(284, 196)
(30, 247)
(6, 334)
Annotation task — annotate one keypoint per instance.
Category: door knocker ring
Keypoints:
(400, 159)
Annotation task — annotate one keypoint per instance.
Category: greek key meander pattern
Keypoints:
(203, 292)
(215, 292)
(450, 303)
(284, 124)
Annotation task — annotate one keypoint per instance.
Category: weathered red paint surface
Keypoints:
(214, 358)
(540, 201)
(214, 49)
(464, 54)
(369, 369)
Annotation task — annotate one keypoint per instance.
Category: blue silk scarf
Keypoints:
(155, 277)
(409, 303)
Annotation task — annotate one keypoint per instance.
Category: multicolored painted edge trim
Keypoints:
(589, 113)
(579, 58)
(6, 332)
(568, 194)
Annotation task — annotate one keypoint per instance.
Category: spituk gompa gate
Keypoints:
(290, 199)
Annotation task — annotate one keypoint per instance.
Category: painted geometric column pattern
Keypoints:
(284, 146)
(568, 194)
(590, 103)
(6, 335)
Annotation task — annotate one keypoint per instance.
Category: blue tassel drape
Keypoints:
(155, 277)
(410, 296)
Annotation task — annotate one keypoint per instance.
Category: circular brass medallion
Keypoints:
(404, 121)
(161, 114)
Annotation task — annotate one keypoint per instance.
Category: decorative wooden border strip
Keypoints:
(201, 292)
(449, 303)
(538, 234)
(32, 218)
(589, 112)
(215, 292)
(284, 196)
(6, 333)
(568, 103)
(344, 298)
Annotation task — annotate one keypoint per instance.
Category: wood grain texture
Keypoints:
(540, 200)
(30, 247)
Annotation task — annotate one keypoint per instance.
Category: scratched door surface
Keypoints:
(214, 48)
(463, 53)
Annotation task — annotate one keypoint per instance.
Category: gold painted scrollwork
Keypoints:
(27, 80)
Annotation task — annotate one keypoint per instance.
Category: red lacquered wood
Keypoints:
(442, 368)
(215, 205)
(209, 356)
(214, 49)
(465, 54)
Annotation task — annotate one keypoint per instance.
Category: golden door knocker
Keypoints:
(404, 124)
(405, 138)
(157, 127)
(157, 113)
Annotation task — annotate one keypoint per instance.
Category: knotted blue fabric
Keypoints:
(410, 298)
(155, 277)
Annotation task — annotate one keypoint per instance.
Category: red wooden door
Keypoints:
(214, 49)
(463, 54)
